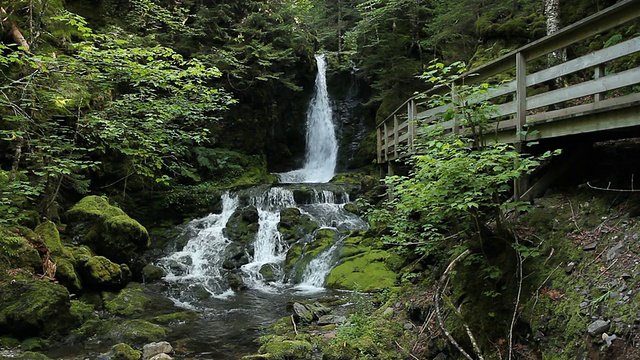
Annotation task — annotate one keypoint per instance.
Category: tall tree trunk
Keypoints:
(552, 13)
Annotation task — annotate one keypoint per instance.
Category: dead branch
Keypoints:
(14, 32)
(295, 328)
(440, 289)
(608, 188)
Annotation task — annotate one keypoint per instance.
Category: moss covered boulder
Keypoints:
(134, 301)
(300, 255)
(135, 331)
(294, 225)
(280, 348)
(369, 271)
(50, 236)
(100, 272)
(242, 225)
(107, 230)
(30, 307)
(121, 351)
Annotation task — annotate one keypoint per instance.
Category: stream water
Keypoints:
(236, 300)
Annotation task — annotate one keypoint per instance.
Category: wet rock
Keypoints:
(180, 317)
(135, 332)
(591, 246)
(156, 348)
(618, 249)
(388, 311)
(626, 276)
(318, 309)
(152, 273)
(370, 271)
(242, 225)
(134, 301)
(331, 319)
(598, 327)
(608, 339)
(569, 268)
(235, 281)
(408, 326)
(120, 352)
(268, 272)
(302, 313)
(287, 349)
(294, 225)
(161, 356)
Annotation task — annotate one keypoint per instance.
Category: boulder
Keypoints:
(242, 225)
(302, 313)
(294, 225)
(152, 273)
(133, 302)
(155, 348)
(47, 311)
(369, 271)
(100, 272)
(287, 349)
(50, 236)
(331, 320)
(18, 251)
(135, 331)
(107, 230)
(120, 352)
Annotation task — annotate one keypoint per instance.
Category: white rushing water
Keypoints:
(200, 264)
(322, 145)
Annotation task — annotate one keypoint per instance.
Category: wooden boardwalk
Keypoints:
(603, 93)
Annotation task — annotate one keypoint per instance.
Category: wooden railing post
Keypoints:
(396, 136)
(412, 117)
(599, 72)
(379, 136)
(521, 97)
(386, 141)
(454, 98)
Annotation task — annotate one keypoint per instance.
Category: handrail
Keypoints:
(615, 15)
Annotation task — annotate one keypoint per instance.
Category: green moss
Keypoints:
(283, 349)
(364, 272)
(106, 229)
(67, 275)
(302, 255)
(100, 271)
(175, 318)
(135, 331)
(82, 311)
(48, 231)
(123, 351)
(9, 342)
(34, 344)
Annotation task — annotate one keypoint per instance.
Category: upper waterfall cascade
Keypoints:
(321, 143)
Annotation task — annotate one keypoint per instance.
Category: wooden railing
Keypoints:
(600, 101)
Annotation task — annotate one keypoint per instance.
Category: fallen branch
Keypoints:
(14, 32)
(439, 290)
(293, 321)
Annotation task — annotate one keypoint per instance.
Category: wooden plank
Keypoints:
(395, 136)
(587, 88)
(593, 59)
(584, 109)
(379, 142)
(598, 73)
(521, 95)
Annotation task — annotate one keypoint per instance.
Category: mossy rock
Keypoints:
(299, 256)
(7, 342)
(133, 302)
(366, 272)
(134, 331)
(294, 225)
(100, 272)
(107, 230)
(34, 344)
(47, 310)
(83, 311)
(123, 351)
(16, 250)
(242, 225)
(66, 274)
(48, 231)
(283, 349)
(180, 317)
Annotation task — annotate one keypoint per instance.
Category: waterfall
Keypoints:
(321, 144)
